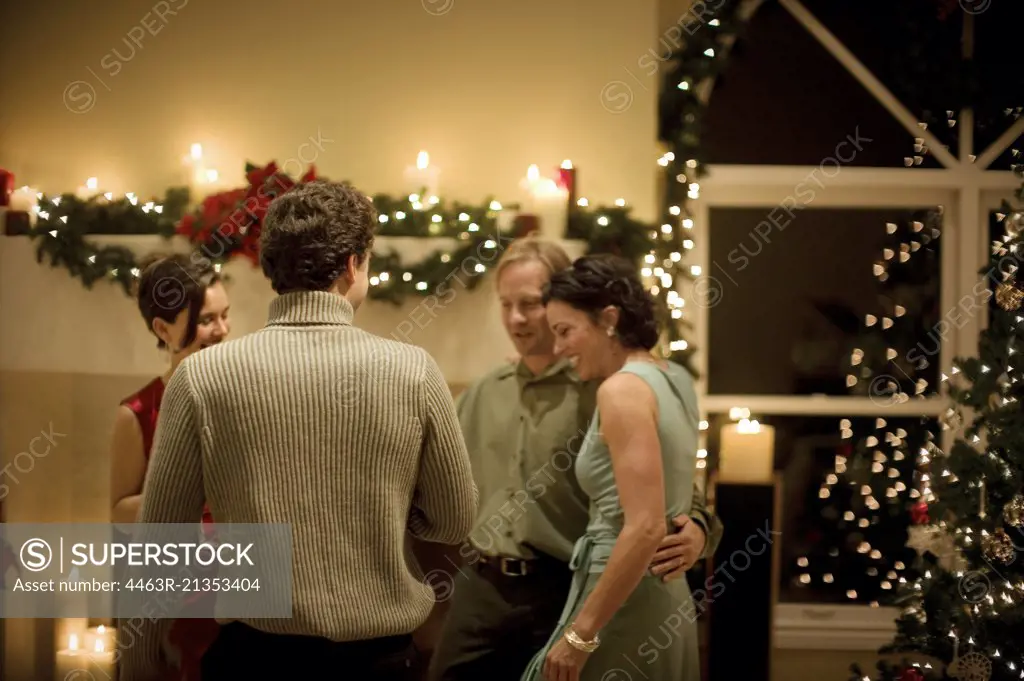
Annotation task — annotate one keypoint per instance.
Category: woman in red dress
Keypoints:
(185, 306)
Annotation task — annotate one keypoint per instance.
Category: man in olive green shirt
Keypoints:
(524, 424)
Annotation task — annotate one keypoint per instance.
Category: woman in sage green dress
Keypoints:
(637, 465)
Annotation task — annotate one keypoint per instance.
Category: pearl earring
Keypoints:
(610, 331)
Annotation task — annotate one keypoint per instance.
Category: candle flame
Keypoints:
(422, 160)
(532, 173)
(92, 183)
(100, 629)
(737, 413)
(748, 427)
(73, 642)
(197, 151)
(567, 164)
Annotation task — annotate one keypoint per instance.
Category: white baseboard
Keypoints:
(833, 627)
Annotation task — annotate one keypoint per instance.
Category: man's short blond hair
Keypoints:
(532, 247)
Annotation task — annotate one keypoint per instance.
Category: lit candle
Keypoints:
(423, 177)
(89, 189)
(101, 635)
(747, 453)
(549, 202)
(72, 662)
(24, 199)
(202, 180)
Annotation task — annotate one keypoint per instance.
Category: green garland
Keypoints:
(689, 76)
(65, 223)
(61, 230)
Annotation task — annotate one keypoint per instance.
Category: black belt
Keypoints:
(519, 567)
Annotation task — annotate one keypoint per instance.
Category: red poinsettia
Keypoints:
(240, 212)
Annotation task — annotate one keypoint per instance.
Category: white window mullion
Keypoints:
(812, 405)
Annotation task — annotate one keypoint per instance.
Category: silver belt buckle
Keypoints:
(505, 570)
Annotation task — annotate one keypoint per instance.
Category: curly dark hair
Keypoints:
(310, 232)
(169, 284)
(594, 282)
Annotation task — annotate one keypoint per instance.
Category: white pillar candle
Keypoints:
(76, 662)
(89, 189)
(746, 453)
(24, 199)
(422, 177)
(102, 634)
(549, 202)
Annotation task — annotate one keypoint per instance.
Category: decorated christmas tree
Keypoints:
(856, 542)
(963, 599)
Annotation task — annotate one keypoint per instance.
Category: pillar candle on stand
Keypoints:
(422, 177)
(746, 453)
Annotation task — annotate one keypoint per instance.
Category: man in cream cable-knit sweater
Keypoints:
(302, 423)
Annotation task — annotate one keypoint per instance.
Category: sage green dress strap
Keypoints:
(653, 636)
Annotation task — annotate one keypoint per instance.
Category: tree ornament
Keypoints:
(998, 547)
(1009, 297)
(911, 674)
(919, 513)
(1013, 512)
(970, 667)
(1014, 223)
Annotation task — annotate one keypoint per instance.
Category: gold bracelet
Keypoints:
(579, 644)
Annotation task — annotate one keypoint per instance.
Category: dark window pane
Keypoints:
(1013, 155)
(784, 100)
(795, 301)
(843, 548)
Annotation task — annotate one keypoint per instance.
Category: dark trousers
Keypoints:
(497, 623)
(241, 652)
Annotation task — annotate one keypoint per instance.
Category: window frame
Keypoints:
(967, 203)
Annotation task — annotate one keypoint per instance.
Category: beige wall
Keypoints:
(50, 323)
(487, 88)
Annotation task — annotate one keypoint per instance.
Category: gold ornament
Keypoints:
(1009, 297)
(998, 547)
(1013, 512)
(1014, 223)
(970, 667)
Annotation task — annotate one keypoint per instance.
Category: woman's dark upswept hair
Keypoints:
(594, 282)
(169, 284)
(309, 233)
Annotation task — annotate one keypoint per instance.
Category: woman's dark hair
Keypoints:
(594, 282)
(309, 233)
(169, 284)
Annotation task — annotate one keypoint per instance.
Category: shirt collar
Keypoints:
(560, 367)
(310, 308)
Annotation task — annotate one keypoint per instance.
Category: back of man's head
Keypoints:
(310, 232)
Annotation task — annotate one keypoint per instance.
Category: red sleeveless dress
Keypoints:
(191, 637)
